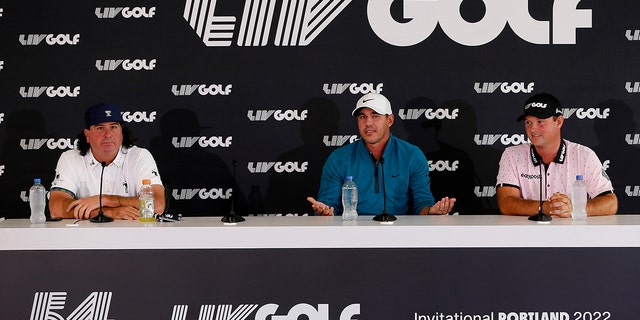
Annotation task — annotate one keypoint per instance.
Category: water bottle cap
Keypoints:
(579, 177)
(146, 181)
(350, 178)
(36, 180)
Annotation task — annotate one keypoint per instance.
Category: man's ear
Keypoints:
(560, 121)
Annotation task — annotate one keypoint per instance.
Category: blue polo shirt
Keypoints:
(406, 176)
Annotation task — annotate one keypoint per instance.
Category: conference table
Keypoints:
(299, 267)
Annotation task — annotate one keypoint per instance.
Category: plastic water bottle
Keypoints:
(147, 202)
(37, 202)
(349, 199)
(579, 199)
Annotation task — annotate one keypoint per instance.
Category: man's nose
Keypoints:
(108, 133)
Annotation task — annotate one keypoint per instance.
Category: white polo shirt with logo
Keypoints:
(80, 175)
(520, 168)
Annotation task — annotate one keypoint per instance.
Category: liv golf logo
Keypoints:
(268, 311)
(299, 22)
(258, 19)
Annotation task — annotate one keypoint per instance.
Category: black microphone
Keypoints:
(101, 217)
(231, 217)
(384, 216)
(540, 217)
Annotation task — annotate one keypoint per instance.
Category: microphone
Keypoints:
(540, 217)
(384, 216)
(231, 217)
(101, 217)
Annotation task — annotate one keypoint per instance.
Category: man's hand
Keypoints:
(444, 206)
(82, 207)
(88, 207)
(320, 208)
(122, 213)
(560, 205)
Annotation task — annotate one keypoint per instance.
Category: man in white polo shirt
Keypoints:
(103, 142)
(555, 160)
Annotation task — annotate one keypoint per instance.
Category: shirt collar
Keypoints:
(389, 146)
(561, 155)
(118, 161)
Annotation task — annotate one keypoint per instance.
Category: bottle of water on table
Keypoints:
(37, 202)
(349, 199)
(579, 199)
(147, 201)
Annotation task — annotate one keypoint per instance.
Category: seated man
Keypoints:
(519, 177)
(103, 142)
(406, 170)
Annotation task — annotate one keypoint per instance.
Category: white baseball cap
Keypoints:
(375, 101)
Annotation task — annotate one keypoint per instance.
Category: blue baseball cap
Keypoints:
(102, 112)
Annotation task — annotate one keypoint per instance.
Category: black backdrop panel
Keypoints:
(270, 84)
(386, 283)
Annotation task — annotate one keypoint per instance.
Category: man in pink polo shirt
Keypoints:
(557, 160)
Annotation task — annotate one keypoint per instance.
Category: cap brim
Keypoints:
(121, 122)
(375, 109)
(535, 114)
(355, 111)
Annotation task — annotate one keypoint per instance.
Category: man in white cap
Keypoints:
(103, 142)
(405, 168)
(558, 160)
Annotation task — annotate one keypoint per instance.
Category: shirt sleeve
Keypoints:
(330, 192)
(420, 183)
(596, 178)
(146, 168)
(67, 174)
(507, 171)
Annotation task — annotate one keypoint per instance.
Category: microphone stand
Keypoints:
(231, 217)
(540, 217)
(384, 216)
(101, 217)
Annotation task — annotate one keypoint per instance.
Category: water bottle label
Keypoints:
(147, 208)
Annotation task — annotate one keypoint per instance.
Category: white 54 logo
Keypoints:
(94, 307)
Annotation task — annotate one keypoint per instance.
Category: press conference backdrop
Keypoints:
(270, 85)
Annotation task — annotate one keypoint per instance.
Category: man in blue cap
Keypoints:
(104, 142)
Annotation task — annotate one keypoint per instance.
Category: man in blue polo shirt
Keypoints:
(405, 168)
